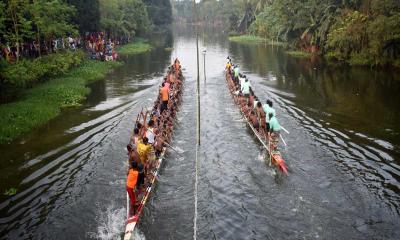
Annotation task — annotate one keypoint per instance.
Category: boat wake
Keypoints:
(110, 222)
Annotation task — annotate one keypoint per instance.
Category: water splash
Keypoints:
(138, 235)
(111, 223)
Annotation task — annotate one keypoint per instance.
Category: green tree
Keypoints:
(123, 18)
(160, 11)
(2, 20)
(21, 26)
(87, 17)
(52, 19)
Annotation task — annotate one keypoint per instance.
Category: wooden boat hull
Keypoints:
(133, 220)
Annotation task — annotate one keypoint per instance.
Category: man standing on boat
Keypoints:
(164, 92)
(268, 109)
(274, 130)
(242, 79)
(131, 182)
(236, 74)
(245, 88)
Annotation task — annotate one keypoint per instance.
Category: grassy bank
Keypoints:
(247, 39)
(299, 54)
(44, 102)
(252, 39)
(136, 47)
(27, 73)
(37, 105)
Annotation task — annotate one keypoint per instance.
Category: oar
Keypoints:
(172, 148)
(284, 129)
(283, 140)
(138, 116)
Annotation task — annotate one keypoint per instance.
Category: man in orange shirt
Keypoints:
(131, 182)
(164, 92)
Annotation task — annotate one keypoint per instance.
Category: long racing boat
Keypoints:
(275, 157)
(174, 78)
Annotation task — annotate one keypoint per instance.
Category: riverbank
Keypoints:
(252, 39)
(138, 46)
(45, 101)
(361, 60)
(299, 54)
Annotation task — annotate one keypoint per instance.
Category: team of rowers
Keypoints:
(261, 116)
(152, 132)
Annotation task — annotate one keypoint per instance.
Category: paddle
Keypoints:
(283, 140)
(284, 129)
(167, 144)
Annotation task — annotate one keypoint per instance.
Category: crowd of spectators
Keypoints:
(96, 44)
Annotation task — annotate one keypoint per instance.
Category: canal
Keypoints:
(343, 153)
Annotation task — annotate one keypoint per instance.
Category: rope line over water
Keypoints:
(195, 194)
(197, 142)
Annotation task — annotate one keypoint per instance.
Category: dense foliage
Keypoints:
(123, 18)
(362, 32)
(29, 30)
(42, 103)
(160, 11)
(27, 73)
(42, 21)
(88, 12)
(23, 21)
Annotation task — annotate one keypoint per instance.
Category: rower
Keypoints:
(158, 145)
(134, 155)
(268, 109)
(150, 132)
(143, 148)
(141, 177)
(256, 102)
(177, 65)
(134, 138)
(251, 100)
(254, 120)
(274, 131)
(262, 117)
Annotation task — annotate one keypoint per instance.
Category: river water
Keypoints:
(343, 154)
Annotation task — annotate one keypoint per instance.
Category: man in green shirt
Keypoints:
(274, 131)
(274, 125)
(268, 109)
(236, 74)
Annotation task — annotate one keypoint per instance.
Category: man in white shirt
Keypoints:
(242, 79)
